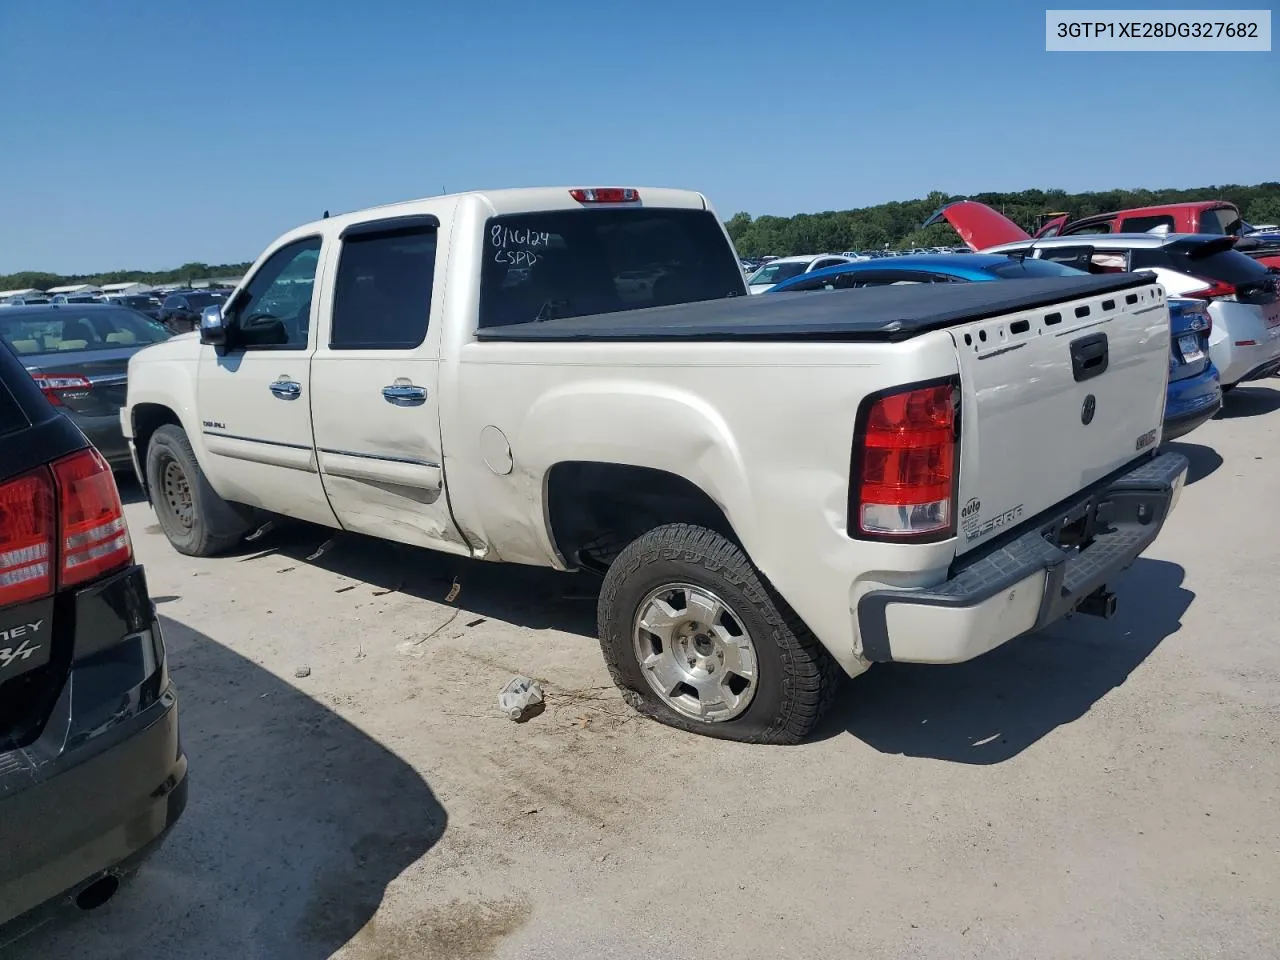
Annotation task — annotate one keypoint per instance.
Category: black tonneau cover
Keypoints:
(871, 313)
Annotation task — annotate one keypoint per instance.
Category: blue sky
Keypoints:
(148, 133)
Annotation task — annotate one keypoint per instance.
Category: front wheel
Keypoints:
(696, 640)
(196, 520)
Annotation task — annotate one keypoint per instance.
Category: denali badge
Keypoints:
(1087, 411)
(21, 652)
(1146, 440)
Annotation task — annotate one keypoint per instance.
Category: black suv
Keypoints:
(180, 311)
(92, 771)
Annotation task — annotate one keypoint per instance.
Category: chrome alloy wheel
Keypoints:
(695, 652)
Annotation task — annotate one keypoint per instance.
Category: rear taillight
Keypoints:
(59, 526)
(26, 538)
(1217, 290)
(54, 385)
(903, 482)
(91, 525)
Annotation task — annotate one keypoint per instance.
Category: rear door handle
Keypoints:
(286, 389)
(405, 395)
(1089, 357)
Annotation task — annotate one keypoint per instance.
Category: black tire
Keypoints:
(211, 525)
(796, 678)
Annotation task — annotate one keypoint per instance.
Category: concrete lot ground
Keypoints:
(1105, 789)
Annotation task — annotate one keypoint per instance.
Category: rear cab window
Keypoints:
(1224, 220)
(572, 263)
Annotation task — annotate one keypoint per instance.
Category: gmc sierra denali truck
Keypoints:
(776, 490)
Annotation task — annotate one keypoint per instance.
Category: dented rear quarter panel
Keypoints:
(766, 430)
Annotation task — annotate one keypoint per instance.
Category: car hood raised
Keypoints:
(979, 226)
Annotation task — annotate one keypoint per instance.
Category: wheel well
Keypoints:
(596, 509)
(147, 419)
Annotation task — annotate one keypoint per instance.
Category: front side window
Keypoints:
(571, 263)
(382, 297)
(273, 312)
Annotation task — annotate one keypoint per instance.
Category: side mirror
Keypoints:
(212, 325)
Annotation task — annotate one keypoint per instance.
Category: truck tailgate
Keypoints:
(1054, 399)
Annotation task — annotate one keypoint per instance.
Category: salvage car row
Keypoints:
(470, 374)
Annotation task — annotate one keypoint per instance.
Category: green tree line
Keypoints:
(184, 274)
(897, 224)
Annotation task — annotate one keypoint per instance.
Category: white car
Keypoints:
(784, 268)
(774, 490)
(1243, 295)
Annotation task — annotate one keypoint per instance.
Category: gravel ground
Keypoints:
(1104, 789)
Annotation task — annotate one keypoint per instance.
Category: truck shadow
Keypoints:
(991, 709)
(1249, 402)
(296, 824)
(1204, 460)
(533, 597)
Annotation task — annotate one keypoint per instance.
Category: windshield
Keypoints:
(61, 331)
(777, 272)
(1016, 269)
(571, 263)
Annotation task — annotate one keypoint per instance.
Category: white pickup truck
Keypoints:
(775, 489)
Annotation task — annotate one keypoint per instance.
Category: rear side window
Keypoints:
(382, 297)
(572, 263)
(1143, 224)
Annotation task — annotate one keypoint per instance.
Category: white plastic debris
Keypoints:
(521, 699)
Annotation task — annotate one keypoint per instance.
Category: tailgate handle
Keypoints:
(1089, 357)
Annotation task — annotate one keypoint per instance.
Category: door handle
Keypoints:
(405, 395)
(1089, 357)
(286, 389)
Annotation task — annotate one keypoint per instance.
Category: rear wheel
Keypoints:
(695, 639)
(196, 520)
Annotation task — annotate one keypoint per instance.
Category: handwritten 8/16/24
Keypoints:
(516, 247)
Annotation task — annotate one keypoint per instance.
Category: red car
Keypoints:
(982, 227)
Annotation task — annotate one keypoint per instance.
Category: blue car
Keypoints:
(926, 268)
(1194, 395)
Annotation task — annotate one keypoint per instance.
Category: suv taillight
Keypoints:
(91, 525)
(1217, 290)
(66, 517)
(26, 538)
(905, 464)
